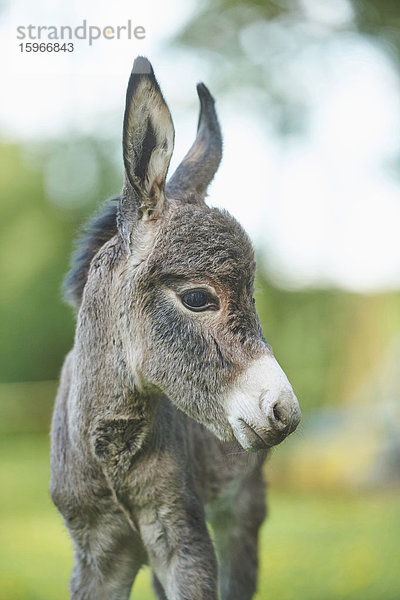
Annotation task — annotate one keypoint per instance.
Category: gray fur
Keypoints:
(142, 449)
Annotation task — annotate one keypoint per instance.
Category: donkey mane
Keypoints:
(96, 232)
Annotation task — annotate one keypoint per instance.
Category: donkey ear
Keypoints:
(148, 141)
(191, 179)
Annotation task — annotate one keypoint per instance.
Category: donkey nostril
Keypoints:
(282, 412)
(277, 413)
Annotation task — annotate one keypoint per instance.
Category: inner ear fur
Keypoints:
(148, 142)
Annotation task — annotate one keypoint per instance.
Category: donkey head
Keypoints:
(185, 281)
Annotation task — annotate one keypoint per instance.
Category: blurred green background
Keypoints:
(334, 525)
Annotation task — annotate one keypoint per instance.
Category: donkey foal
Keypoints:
(169, 379)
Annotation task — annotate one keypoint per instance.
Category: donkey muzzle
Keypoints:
(278, 419)
(262, 407)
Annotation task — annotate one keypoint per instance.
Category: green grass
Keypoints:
(325, 547)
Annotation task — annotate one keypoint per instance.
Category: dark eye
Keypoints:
(199, 300)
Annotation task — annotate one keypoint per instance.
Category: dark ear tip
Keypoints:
(204, 93)
(142, 66)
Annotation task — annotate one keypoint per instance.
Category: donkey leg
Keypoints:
(236, 538)
(180, 551)
(108, 556)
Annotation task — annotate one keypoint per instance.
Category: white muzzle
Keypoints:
(261, 406)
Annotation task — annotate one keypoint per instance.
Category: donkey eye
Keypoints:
(199, 300)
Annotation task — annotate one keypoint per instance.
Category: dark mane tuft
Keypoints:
(101, 228)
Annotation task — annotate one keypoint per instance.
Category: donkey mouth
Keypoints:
(254, 440)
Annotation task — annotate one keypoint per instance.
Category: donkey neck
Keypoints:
(106, 378)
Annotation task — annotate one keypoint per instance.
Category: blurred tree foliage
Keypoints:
(255, 45)
(380, 19)
(218, 24)
(328, 340)
(36, 233)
